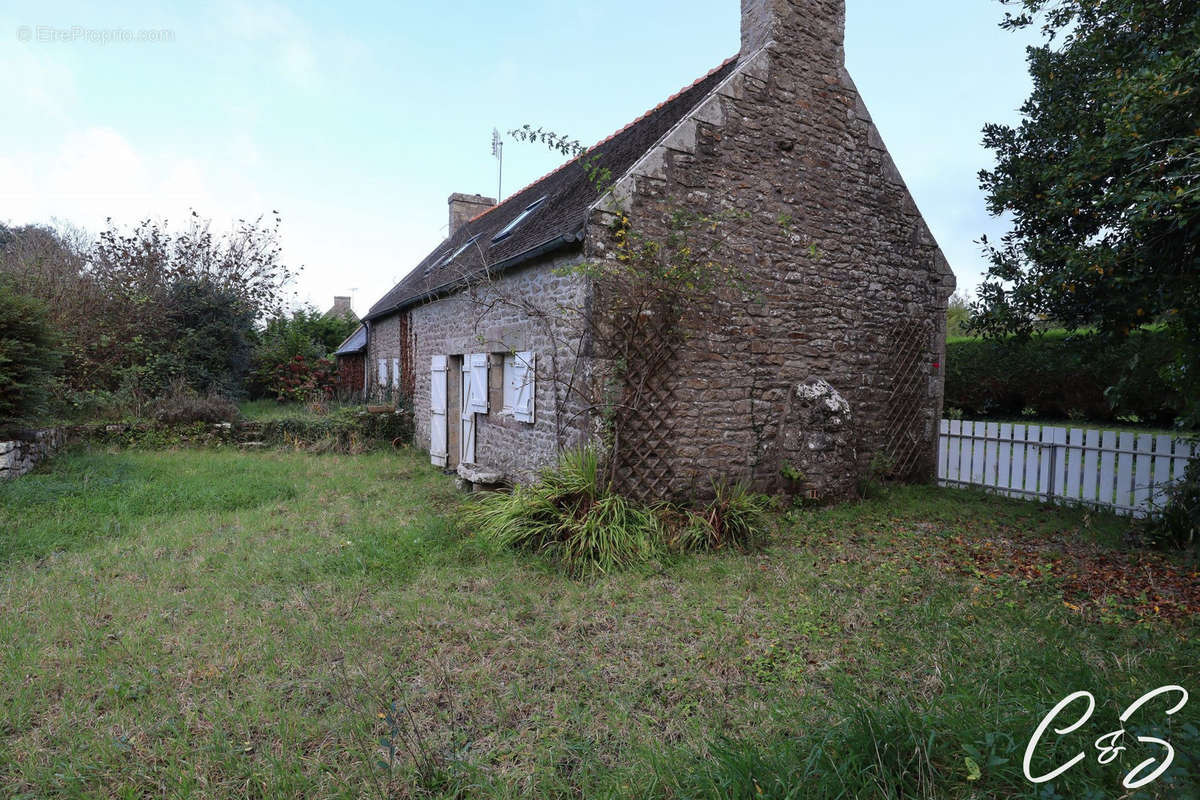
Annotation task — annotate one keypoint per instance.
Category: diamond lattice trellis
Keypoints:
(905, 442)
(644, 420)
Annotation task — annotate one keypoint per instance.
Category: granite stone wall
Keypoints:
(20, 456)
(496, 318)
(383, 341)
(841, 282)
(838, 265)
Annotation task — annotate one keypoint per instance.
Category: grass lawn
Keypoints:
(210, 624)
(268, 410)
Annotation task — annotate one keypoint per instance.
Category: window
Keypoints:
(519, 378)
(512, 226)
(466, 246)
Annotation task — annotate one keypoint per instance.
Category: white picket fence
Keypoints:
(1124, 472)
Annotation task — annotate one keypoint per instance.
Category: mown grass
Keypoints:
(205, 624)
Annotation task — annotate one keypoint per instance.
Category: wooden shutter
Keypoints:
(526, 378)
(438, 446)
(395, 373)
(479, 384)
(511, 384)
(383, 373)
(466, 438)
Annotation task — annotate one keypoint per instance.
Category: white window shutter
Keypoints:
(479, 383)
(438, 444)
(395, 373)
(511, 382)
(523, 408)
(382, 372)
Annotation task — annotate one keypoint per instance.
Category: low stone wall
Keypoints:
(22, 455)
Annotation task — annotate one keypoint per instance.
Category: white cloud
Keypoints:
(292, 44)
(33, 84)
(95, 173)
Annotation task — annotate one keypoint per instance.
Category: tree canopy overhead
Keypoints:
(1101, 178)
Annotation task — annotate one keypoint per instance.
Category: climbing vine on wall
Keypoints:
(611, 357)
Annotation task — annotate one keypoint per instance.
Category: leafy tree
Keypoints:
(213, 334)
(1101, 178)
(306, 336)
(958, 315)
(29, 358)
(140, 308)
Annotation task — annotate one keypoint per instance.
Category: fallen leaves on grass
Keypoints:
(1144, 585)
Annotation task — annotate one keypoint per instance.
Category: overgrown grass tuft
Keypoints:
(735, 519)
(570, 516)
(573, 517)
(954, 745)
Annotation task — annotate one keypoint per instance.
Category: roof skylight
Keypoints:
(507, 230)
(466, 246)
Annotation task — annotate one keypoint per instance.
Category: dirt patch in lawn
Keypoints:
(1093, 581)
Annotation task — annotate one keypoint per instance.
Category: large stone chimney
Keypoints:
(464, 207)
(816, 26)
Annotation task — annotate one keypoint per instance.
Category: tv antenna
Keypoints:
(498, 154)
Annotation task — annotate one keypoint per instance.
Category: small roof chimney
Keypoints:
(817, 26)
(465, 207)
(341, 307)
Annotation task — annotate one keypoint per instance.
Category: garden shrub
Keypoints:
(1061, 376)
(300, 378)
(1177, 525)
(29, 358)
(572, 516)
(735, 518)
(345, 430)
(188, 423)
(182, 405)
(305, 336)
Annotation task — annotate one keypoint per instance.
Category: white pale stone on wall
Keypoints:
(19, 457)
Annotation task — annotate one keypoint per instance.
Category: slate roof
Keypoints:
(355, 343)
(558, 222)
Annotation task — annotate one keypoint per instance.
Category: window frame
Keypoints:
(508, 229)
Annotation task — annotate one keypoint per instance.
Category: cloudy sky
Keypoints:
(356, 120)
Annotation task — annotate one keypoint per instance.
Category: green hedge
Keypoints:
(1059, 376)
(344, 431)
(29, 358)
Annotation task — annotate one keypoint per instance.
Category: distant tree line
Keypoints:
(111, 322)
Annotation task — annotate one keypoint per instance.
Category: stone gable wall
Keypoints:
(835, 256)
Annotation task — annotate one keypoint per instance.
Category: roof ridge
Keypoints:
(672, 98)
(571, 190)
(612, 136)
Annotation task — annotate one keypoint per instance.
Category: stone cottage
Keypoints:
(351, 361)
(823, 363)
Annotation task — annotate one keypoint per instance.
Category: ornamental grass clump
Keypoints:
(735, 519)
(572, 517)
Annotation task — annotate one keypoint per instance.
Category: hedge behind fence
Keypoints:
(1055, 376)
